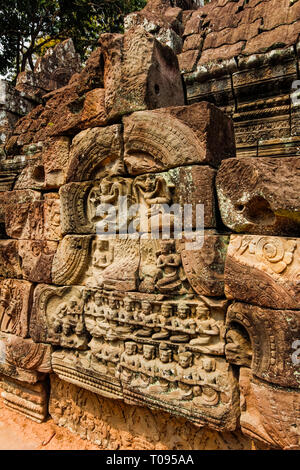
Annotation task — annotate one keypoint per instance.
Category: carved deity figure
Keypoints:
(168, 262)
(165, 367)
(183, 325)
(185, 375)
(207, 328)
(147, 318)
(164, 321)
(10, 307)
(207, 392)
(151, 192)
(147, 365)
(129, 362)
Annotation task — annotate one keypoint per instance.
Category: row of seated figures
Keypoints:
(182, 322)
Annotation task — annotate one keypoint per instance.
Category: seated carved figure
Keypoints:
(165, 367)
(129, 362)
(147, 365)
(185, 375)
(183, 325)
(168, 262)
(164, 321)
(147, 318)
(207, 328)
(209, 382)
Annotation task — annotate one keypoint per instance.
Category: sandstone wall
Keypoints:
(153, 343)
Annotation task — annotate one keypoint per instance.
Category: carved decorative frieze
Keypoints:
(272, 334)
(30, 400)
(263, 270)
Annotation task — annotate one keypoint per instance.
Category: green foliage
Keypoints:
(29, 27)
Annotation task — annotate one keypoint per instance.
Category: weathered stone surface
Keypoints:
(30, 400)
(93, 261)
(36, 258)
(24, 214)
(114, 425)
(268, 413)
(15, 306)
(96, 153)
(51, 71)
(72, 260)
(167, 138)
(263, 271)
(52, 223)
(272, 334)
(58, 322)
(140, 73)
(28, 354)
(10, 266)
(25, 354)
(46, 165)
(30, 216)
(204, 267)
(260, 195)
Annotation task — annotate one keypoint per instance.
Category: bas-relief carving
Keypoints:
(263, 270)
(272, 334)
(36, 259)
(269, 413)
(15, 305)
(57, 317)
(198, 323)
(30, 400)
(185, 185)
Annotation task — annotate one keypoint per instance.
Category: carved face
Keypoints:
(104, 187)
(167, 247)
(183, 311)
(202, 312)
(165, 355)
(130, 348)
(67, 328)
(128, 305)
(166, 310)
(146, 308)
(185, 360)
(208, 365)
(149, 352)
(98, 300)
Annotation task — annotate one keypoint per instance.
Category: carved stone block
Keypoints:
(57, 317)
(36, 258)
(167, 138)
(52, 224)
(96, 153)
(139, 73)
(17, 353)
(260, 195)
(29, 216)
(270, 413)
(10, 266)
(24, 215)
(272, 334)
(203, 390)
(15, 306)
(55, 159)
(204, 267)
(263, 271)
(30, 400)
